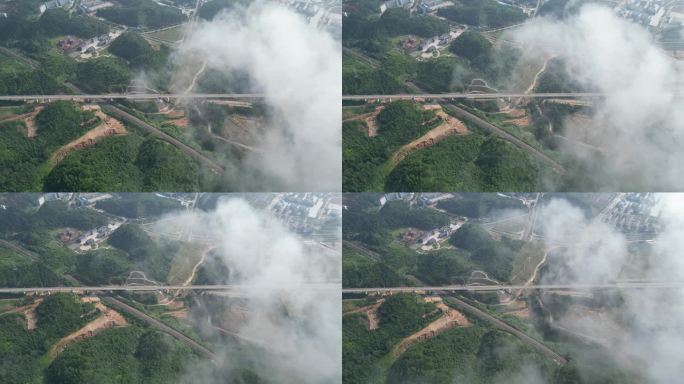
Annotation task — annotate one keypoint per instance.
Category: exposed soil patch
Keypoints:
(582, 129)
(370, 120)
(592, 325)
(521, 122)
(180, 314)
(109, 126)
(171, 112)
(182, 122)
(242, 129)
(450, 318)
(29, 120)
(29, 312)
(537, 76)
(30, 315)
(371, 312)
(450, 126)
(109, 318)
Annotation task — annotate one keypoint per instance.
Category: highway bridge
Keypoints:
(256, 96)
(133, 96)
(475, 96)
(152, 288)
(489, 288)
(337, 286)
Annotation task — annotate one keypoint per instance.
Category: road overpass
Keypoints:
(257, 96)
(134, 96)
(489, 288)
(153, 288)
(336, 286)
(475, 96)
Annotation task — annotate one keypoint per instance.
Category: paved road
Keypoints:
(134, 96)
(539, 346)
(462, 95)
(114, 302)
(20, 250)
(541, 156)
(197, 347)
(360, 248)
(532, 221)
(216, 167)
(485, 288)
(19, 56)
(152, 288)
(152, 96)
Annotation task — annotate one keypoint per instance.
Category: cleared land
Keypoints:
(450, 318)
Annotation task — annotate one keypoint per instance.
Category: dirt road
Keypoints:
(29, 312)
(371, 312)
(109, 318)
(29, 120)
(450, 126)
(450, 318)
(537, 76)
(370, 120)
(109, 126)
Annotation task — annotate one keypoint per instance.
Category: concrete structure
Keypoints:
(54, 4)
(90, 6)
(395, 4)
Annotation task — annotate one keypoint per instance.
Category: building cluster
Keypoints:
(389, 4)
(86, 199)
(430, 46)
(406, 196)
(73, 44)
(92, 237)
(76, 238)
(53, 196)
(427, 199)
(70, 44)
(429, 6)
(92, 6)
(677, 14)
(307, 214)
(645, 12)
(53, 4)
(425, 238)
(69, 236)
(325, 14)
(635, 213)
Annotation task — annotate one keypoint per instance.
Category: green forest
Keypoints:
(373, 61)
(132, 354)
(469, 162)
(383, 261)
(142, 13)
(124, 163)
